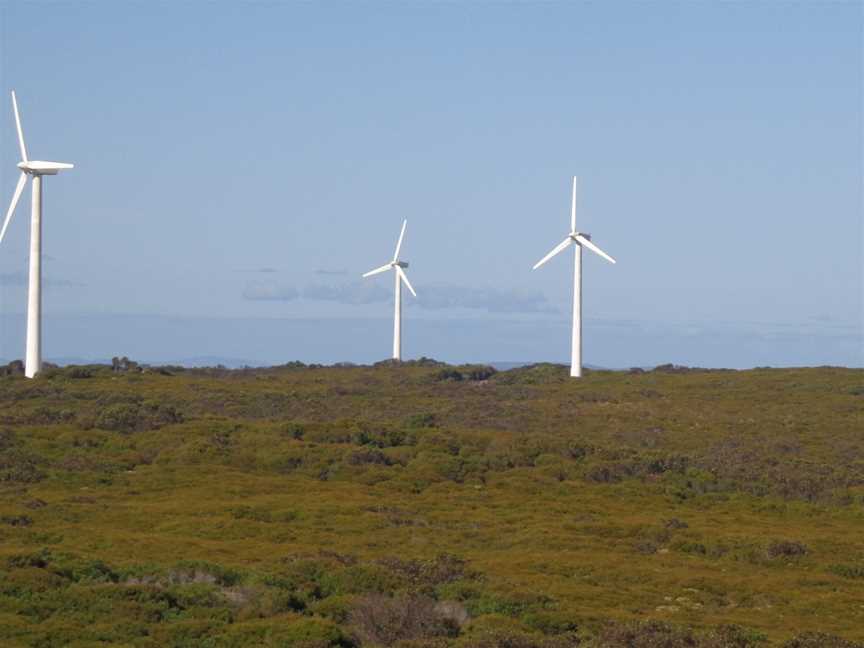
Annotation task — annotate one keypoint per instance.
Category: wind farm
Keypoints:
(220, 429)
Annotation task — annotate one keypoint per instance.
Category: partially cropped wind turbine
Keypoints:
(397, 265)
(35, 169)
(580, 239)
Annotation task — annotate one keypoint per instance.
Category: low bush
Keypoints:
(537, 374)
(20, 466)
(135, 417)
(16, 520)
(478, 372)
(428, 574)
(383, 621)
(424, 420)
(786, 549)
(367, 456)
(820, 640)
(657, 634)
(847, 571)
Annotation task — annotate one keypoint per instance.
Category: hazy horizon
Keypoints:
(615, 344)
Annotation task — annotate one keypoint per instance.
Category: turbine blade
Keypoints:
(573, 208)
(561, 246)
(15, 196)
(399, 244)
(18, 126)
(383, 268)
(404, 277)
(596, 250)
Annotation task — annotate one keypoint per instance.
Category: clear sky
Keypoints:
(239, 165)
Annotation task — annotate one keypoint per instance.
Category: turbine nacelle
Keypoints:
(574, 235)
(41, 167)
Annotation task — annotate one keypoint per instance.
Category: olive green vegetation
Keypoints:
(430, 505)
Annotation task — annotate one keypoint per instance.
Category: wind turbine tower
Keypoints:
(35, 169)
(400, 276)
(578, 240)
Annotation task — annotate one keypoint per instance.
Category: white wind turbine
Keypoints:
(35, 169)
(397, 265)
(580, 239)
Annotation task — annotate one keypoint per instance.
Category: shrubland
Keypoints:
(426, 505)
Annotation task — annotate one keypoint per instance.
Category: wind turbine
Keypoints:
(35, 169)
(579, 240)
(397, 266)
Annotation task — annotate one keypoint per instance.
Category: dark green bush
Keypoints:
(367, 456)
(293, 430)
(444, 568)
(847, 571)
(820, 640)
(16, 520)
(786, 549)
(425, 420)
(135, 417)
(77, 373)
(550, 622)
(536, 374)
(19, 466)
(358, 579)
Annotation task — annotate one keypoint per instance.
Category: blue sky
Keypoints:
(246, 162)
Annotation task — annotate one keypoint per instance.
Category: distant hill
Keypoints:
(200, 361)
(504, 366)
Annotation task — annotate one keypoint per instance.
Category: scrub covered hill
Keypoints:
(429, 505)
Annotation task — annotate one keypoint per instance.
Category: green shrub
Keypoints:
(135, 417)
(77, 373)
(358, 579)
(199, 571)
(550, 622)
(314, 633)
(425, 420)
(336, 608)
(479, 372)
(441, 570)
(847, 571)
(293, 430)
(786, 549)
(20, 466)
(16, 520)
(536, 374)
(820, 640)
(367, 456)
